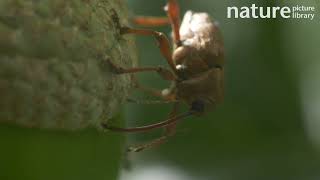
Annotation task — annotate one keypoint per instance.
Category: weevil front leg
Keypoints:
(162, 40)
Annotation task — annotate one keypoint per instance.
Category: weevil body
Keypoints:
(196, 62)
(199, 61)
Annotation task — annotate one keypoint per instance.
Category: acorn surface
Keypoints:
(52, 62)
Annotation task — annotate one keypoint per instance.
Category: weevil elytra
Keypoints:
(196, 67)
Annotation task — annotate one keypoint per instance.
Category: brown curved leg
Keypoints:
(163, 41)
(151, 21)
(170, 130)
(163, 72)
(173, 12)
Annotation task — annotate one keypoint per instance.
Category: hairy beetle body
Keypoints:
(196, 67)
(200, 60)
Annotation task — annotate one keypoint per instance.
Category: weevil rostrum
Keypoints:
(196, 67)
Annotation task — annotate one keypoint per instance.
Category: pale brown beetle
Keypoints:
(197, 67)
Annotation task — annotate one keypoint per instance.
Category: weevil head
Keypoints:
(188, 61)
(201, 106)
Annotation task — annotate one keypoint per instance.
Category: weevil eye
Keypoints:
(197, 106)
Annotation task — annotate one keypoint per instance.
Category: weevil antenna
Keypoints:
(149, 127)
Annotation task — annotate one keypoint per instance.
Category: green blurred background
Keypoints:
(267, 127)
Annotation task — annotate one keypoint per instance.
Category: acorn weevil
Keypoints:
(196, 67)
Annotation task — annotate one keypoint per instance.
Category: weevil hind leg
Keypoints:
(170, 130)
(148, 127)
(148, 145)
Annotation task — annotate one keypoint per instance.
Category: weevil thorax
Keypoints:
(199, 60)
(202, 44)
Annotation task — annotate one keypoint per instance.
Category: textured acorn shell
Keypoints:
(52, 62)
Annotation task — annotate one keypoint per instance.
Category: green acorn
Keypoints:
(52, 62)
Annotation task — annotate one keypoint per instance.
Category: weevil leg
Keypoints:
(151, 126)
(163, 41)
(163, 72)
(158, 93)
(153, 92)
(151, 144)
(161, 38)
(151, 21)
(149, 101)
(168, 97)
(169, 131)
(173, 11)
